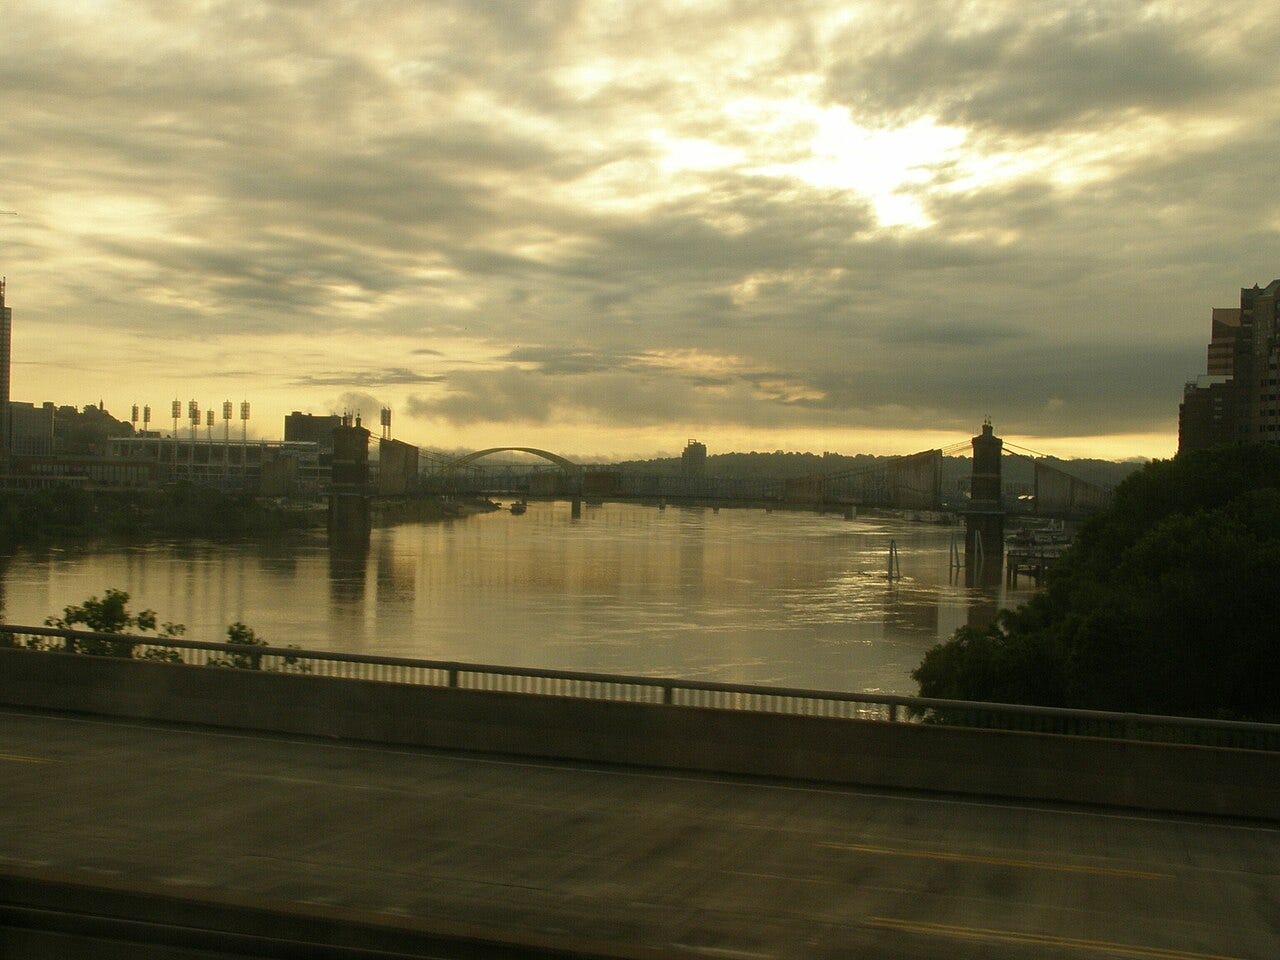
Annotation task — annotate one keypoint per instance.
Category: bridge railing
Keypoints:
(655, 690)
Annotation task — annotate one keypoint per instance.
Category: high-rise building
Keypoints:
(6, 334)
(1222, 348)
(1238, 398)
(693, 461)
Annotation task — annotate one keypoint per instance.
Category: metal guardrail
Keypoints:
(655, 690)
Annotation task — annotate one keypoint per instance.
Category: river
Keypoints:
(744, 596)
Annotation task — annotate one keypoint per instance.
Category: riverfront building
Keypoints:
(30, 429)
(309, 428)
(397, 467)
(1237, 400)
(272, 468)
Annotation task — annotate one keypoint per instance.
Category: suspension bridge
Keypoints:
(913, 482)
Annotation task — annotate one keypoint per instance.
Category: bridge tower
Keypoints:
(984, 520)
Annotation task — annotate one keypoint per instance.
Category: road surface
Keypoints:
(706, 866)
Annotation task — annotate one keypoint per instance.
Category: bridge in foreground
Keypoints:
(306, 803)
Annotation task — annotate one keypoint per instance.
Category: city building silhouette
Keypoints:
(1237, 399)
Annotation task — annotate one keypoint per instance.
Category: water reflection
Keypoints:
(394, 573)
(348, 577)
(395, 569)
(736, 595)
(912, 610)
(691, 565)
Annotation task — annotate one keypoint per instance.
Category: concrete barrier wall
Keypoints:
(989, 763)
(53, 915)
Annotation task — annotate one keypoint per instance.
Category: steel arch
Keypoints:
(566, 465)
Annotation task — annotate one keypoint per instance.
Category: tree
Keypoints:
(238, 633)
(87, 430)
(111, 614)
(1165, 603)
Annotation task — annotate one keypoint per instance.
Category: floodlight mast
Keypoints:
(226, 440)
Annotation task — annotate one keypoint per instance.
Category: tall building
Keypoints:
(1237, 400)
(30, 429)
(1221, 361)
(6, 334)
(693, 461)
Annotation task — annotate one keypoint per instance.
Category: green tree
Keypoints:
(1165, 603)
(241, 635)
(111, 614)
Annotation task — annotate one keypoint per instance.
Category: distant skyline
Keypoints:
(602, 228)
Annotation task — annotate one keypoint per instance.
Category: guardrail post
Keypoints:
(69, 643)
(453, 676)
(893, 712)
(668, 693)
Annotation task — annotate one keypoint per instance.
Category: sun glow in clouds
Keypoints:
(823, 148)
(887, 166)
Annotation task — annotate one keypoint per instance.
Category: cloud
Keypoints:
(357, 402)
(366, 378)
(1028, 71)
(680, 213)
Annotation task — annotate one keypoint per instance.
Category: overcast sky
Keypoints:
(602, 228)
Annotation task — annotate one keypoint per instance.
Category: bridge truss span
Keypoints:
(563, 463)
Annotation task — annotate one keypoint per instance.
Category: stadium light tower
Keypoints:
(176, 411)
(226, 436)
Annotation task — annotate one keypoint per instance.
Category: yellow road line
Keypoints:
(18, 759)
(1000, 861)
(1041, 939)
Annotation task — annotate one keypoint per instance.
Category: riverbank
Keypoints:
(183, 511)
(389, 512)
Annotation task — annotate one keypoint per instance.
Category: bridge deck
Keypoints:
(696, 865)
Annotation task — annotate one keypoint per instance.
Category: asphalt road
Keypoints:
(714, 866)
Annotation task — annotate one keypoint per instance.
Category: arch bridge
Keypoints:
(568, 466)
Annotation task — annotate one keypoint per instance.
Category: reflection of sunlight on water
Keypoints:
(740, 595)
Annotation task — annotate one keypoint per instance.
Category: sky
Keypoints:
(602, 228)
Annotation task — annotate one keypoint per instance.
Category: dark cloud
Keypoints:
(366, 378)
(1029, 388)
(1036, 70)
(957, 334)
(568, 360)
